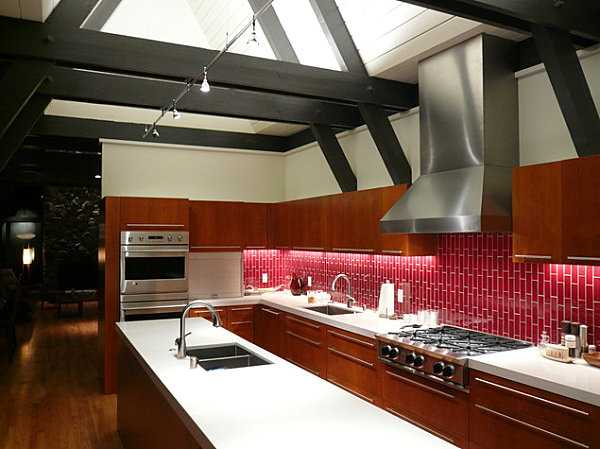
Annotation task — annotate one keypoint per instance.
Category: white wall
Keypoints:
(198, 173)
(544, 136)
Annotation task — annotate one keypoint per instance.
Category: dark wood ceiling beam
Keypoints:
(580, 18)
(338, 36)
(80, 85)
(27, 117)
(57, 143)
(86, 48)
(571, 88)
(71, 13)
(17, 85)
(335, 157)
(95, 129)
(274, 32)
(387, 143)
(100, 14)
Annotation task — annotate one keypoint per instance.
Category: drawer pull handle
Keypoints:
(532, 256)
(356, 340)
(269, 310)
(316, 373)
(531, 396)
(255, 247)
(350, 390)
(239, 309)
(314, 326)
(155, 225)
(592, 259)
(307, 340)
(351, 357)
(420, 385)
(309, 248)
(531, 426)
(233, 323)
(418, 424)
(392, 251)
(358, 250)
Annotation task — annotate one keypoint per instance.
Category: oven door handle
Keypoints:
(170, 306)
(145, 252)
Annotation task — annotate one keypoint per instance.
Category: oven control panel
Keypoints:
(155, 238)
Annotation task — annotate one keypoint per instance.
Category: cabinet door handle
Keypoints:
(316, 373)
(531, 426)
(272, 312)
(355, 340)
(532, 256)
(418, 424)
(351, 357)
(233, 323)
(255, 247)
(239, 309)
(420, 385)
(154, 225)
(531, 396)
(358, 250)
(307, 340)
(350, 390)
(593, 259)
(391, 251)
(282, 247)
(309, 248)
(296, 320)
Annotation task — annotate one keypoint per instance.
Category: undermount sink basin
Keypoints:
(225, 357)
(332, 310)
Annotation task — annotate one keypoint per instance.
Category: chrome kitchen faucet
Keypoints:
(180, 342)
(349, 298)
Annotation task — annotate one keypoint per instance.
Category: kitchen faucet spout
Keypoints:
(180, 342)
(349, 298)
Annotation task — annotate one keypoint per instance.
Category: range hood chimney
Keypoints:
(469, 143)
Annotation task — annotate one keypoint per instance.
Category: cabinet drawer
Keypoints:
(305, 344)
(241, 321)
(548, 420)
(203, 313)
(306, 328)
(436, 408)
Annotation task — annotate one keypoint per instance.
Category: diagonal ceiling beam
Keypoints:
(85, 48)
(335, 157)
(339, 37)
(580, 18)
(274, 32)
(387, 143)
(83, 85)
(571, 88)
(17, 85)
(71, 13)
(100, 14)
(96, 129)
(12, 139)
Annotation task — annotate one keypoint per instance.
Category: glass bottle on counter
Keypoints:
(544, 340)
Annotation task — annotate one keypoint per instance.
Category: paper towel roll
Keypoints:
(386, 300)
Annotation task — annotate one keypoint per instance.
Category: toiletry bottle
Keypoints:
(575, 331)
(544, 339)
(565, 328)
(571, 344)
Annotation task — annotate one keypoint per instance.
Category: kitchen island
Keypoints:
(161, 401)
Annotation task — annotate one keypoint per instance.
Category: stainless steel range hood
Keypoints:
(469, 143)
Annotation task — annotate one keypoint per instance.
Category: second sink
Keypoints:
(332, 310)
(225, 357)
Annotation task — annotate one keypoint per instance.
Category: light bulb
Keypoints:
(176, 114)
(252, 41)
(205, 87)
(155, 133)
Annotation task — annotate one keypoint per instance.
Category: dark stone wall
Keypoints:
(70, 236)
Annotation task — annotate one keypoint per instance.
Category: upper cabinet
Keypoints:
(354, 221)
(216, 226)
(153, 213)
(254, 225)
(279, 221)
(556, 208)
(310, 224)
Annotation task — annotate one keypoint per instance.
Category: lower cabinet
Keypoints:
(240, 321)
(305, 344)
(207, 315)
(268, 328)
(508, 414)
(441, 410)
(352, 364)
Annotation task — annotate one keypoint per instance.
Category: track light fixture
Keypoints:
(176, 114)
(205, 87)
(155, 133)
(252, 41)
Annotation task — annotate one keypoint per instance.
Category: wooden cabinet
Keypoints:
(268, 328)
(207, 315)
(305, 344)
(240, 321)
(216, 226)
(254, 225)
(537, 203)
(581, 210)
(403, 244)
(508, 414)
(310, 224)
(437, 408)
(354, 221)
(352, 364)
(556, 209)
(153, 213)
(279, 221)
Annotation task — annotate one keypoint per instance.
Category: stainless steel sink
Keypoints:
(332, 310)
(225, 357)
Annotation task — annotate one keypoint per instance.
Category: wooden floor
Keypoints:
(50, 395)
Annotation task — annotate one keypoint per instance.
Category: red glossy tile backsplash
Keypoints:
(472, 281)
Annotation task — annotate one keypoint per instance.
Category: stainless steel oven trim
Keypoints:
(152, 304)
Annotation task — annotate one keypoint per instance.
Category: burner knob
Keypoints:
(169, 238)
(141, 237)
(438, 367)
(394, 352)
(410, 358)
(448, 370)
(419, 360)
(130, 239)
(385, 351)
(180, 237)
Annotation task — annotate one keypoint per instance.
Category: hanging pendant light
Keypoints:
(205, 87)
(176, 114)
(252, 41)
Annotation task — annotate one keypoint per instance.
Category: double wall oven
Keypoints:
(153, 274)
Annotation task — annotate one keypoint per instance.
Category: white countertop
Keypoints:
(271, 406)
(576, 380)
